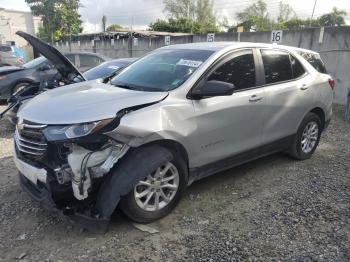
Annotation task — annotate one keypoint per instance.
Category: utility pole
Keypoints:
(188, 16)
(104, 22)
(313, 12)
(131, 37)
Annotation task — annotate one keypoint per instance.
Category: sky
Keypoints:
(140, 13)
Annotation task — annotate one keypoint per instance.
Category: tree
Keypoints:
(60, 18)
(335, 18)
(188, 16)
(297, 23)
(285, 13)
(180, 9)
(114, 28)
(255, 17)
(205, 16)
(175, 26)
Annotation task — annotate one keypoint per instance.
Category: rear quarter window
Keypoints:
(5, 48)
(298, 69)
(314, 60)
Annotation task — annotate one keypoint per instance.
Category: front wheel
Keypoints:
(156, 195)
(19, 87)
(307, 138)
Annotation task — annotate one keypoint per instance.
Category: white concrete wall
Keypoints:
(12, 21)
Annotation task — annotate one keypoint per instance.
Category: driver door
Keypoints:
(229, 125)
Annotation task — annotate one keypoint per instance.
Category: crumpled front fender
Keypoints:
(133, 167)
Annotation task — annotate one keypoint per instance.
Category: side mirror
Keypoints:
(213, 88)
(44, 67)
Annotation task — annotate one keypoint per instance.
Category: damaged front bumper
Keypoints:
(42, 195)
(54, 177)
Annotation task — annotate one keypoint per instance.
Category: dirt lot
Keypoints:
(271, 209)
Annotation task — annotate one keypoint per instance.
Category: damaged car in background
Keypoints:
(53, 70)
(178, 114)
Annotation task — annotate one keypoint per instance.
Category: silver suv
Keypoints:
(177, 115)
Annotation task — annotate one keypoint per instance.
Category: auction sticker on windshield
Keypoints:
(190, 63)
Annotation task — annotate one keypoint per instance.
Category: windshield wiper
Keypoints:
(125, 87)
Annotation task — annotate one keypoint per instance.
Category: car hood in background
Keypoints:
(62, 64)
(84, 102)
(9, 69)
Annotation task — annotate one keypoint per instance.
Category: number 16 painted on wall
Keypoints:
(276, 36)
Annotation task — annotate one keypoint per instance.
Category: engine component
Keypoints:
(82, 161)
(117, 152)
(63, 174)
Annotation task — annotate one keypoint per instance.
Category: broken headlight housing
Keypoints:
(66, 132)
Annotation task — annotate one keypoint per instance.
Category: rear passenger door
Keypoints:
(228, 125)
(286, 84)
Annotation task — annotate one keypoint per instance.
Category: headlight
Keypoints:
(54, 133)
(3, 77)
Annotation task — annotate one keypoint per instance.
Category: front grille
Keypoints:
(30, 140)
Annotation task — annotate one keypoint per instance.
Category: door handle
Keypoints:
(255, 98)
(303, 87)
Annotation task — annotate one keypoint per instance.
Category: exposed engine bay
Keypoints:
(85, 165)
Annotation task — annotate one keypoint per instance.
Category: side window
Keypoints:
(71, 58)
(89, 60)
(4, 48)
(239, 71)
(315, 60)
(298, 69)
(277, 66)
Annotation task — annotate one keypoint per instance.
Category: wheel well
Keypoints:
(318, 111)
(173, 146)
(20, 82)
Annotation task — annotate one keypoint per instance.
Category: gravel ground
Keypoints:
(274, 209)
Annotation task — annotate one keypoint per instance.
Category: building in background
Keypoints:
(12, 21)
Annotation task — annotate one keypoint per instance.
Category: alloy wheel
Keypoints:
(309, 137)
(158, 189)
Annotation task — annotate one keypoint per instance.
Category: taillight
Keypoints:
(331, 83)
(20, 61)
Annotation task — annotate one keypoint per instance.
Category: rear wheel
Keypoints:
(156, 195)
(307, 138)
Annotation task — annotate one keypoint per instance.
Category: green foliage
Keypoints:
(297, 23)
(60, 18)
(114, 28)
(255, 17)
(335, 18)
(187, 16)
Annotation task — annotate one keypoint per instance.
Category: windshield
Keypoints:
(162, 70)
(35, 62)
(104, 70)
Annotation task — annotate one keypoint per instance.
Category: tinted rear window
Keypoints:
(277, 66)
(314, 60)
(298, 69)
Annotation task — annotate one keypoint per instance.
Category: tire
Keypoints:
(18, 86)
(130, 204)
(307, 138)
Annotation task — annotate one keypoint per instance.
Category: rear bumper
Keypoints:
(41, 194)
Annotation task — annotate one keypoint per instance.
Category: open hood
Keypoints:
(84, 102)
(62, 64)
